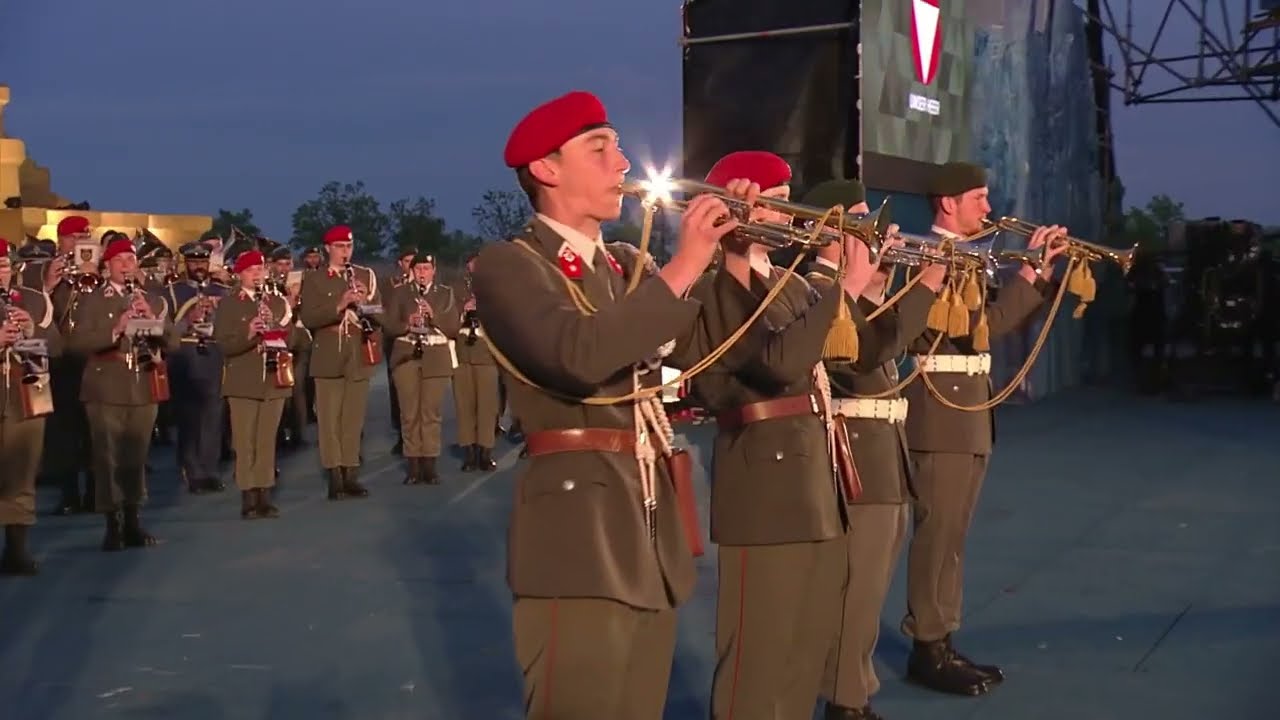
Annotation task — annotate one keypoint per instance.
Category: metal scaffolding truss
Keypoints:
(1234, 55)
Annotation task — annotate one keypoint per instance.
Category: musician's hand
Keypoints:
(53, 272)
(932, 275)
(9, 334)
(699, 233)
(349, 298)
(743, 190)
(257, 326)
(858, 267)
(469, 305)
(141, 308)
(22, 319)
(122, 323)
(361, 289)
(1043, 234)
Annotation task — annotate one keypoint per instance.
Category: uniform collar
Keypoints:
(945, 233)
(581, 245)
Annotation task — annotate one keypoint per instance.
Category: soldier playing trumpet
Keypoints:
(423, 319)
(252, 328)
(25, 314)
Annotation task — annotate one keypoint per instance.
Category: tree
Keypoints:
(339, 204)
(501, 214)
(1148, 226)
(414, 224)
(241, 220)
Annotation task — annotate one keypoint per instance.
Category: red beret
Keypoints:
(72, 225)
(762, 168)
(4, 248)
(338, 233)
(118, 247)
(551, 125)
(246, 260)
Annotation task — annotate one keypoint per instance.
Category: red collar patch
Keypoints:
(613, 262)
(570, 263)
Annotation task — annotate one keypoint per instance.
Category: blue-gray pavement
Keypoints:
(1125, 563)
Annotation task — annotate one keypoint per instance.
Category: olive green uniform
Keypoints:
(950, 449)
(340, 362)
(421, 382)
(475, 389)
(595, 592)
(776, 511)
(117, 395)
(67, 454)
(878, 517)
(255, 399)
(22, 439)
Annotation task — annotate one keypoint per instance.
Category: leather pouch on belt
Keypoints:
(159, 377)
(680, 468)
(372, 352)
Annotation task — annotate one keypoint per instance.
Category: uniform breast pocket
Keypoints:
(555, 487)
(779, 444)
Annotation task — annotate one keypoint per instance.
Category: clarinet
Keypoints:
(140, 355)
(420, 332)
(366, 327)
(33, 364)
(470, 319)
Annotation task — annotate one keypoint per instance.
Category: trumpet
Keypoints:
(1081, 249)
(84, 282)
(870, 228)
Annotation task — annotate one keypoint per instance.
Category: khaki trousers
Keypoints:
(777, 618)
(874, 541)
(421, 401)
(119, 440)
(475, 399)
(340, 411)
(21, 445)
(946, 488)
(253, 437)
(591, 659)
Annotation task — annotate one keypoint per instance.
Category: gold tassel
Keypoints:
(1076, 281)
(1090, 286)
(1079, 311)
(940, 309)
(972, 293)
(957, 317)
(842, 338)
(982, 333)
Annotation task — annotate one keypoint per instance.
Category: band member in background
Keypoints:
(197, 372)
(313, 259)
(252, 327)
(475, 385)
(401, 274)
(781, 560)
(298, 404)
(864, 398)
(346, 347)
(950, 448)
(124, 379)
(423, 320)
(25, 313)
(155, 261)
(596, 578)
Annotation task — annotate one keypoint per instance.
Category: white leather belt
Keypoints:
(425, 339)
(893, 410)
(979, 364)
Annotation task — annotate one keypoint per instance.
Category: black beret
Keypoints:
(420, 258)
(281, 253)
(829, 193)
(195, 251)
(957, 178)
(313, 250)
(34, 251)
(406, 251)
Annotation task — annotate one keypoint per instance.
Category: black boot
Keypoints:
(265, 508)
(134, 534)
(351, 483)
(472, 453)
(336, 491)
(427, 474)
(484, 461)
(413, 470)
(113, 540)
(932, 666)
(16, 559)
(249, 504)
(839, 712)
(991, 673)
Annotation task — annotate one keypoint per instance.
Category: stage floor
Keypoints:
(1125, 563)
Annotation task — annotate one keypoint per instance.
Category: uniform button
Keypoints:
(955, 388)
(568, 485)
(777, 455)
(853, 435)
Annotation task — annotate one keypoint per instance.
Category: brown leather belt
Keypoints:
(767, 410)
(546, 442)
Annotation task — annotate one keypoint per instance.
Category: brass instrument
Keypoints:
(84, 282)
(1077, 248)
(870, 228)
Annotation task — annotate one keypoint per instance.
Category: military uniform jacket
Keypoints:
(772, 480)
(337, 343)
(471, 347)
(933, 427)
(437, 359)
(183, 297)
(879, 447)
(244, 363)
(107, 378)
(577, 525)
(40, 307)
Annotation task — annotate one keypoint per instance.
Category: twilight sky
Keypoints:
(184, 107)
